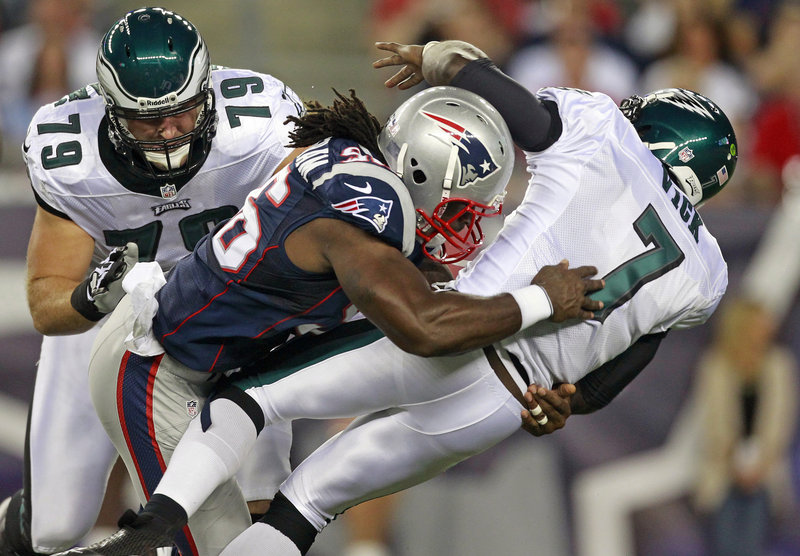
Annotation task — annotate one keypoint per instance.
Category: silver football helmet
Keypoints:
(455, 154)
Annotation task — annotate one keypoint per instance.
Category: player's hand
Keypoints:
(548, 410)
(100, 293)
(568, 290)
(407, 55)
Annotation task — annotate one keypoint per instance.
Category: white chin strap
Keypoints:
(177, 157)
(689, 183)
(401, 158)
(449, 173)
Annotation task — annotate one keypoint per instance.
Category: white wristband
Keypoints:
(534, 304)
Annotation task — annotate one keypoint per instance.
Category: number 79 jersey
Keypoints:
(599, 197)
(77, 175)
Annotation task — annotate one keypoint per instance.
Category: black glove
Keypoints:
(100, 293)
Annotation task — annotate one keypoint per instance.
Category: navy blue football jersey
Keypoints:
(238, 295)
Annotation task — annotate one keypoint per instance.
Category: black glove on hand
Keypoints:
(100, 293)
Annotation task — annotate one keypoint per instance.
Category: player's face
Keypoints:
(460, 217)
(163, 129)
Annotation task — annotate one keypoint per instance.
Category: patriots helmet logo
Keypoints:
(372, 209)
(476, 162)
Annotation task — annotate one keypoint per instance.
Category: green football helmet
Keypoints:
(690, 135)
(152, 64)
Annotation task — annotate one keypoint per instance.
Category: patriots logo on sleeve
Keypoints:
(476, 162)
(374, 210)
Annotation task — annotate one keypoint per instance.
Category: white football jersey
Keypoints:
(69, 161)
(598, 197)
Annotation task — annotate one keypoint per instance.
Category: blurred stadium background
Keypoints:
(611, 484)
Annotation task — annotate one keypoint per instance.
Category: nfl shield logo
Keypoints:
(168, 191)
(191, 408)
(686, 154)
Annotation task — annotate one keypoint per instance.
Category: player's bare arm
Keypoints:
(435, 272)
(395, 296)
(59, 254)
(289, 158)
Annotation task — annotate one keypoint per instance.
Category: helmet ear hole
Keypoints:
(417, 174)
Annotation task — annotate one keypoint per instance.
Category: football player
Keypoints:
(160, 150)
(634, 175)
(333, 230)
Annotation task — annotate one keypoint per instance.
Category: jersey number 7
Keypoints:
(625, 280)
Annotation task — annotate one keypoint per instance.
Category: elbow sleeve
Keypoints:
(534, 124)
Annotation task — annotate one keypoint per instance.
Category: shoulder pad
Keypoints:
(61, 147)
(365, 192)
(252, 109)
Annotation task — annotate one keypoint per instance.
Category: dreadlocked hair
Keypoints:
(348, 118)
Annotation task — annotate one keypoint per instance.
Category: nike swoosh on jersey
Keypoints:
(366, 189)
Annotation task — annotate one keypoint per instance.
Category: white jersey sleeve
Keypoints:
(67, 154)
(599, 197)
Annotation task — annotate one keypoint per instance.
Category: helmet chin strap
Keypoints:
(449, 174)
(401, 158)
(689, 183)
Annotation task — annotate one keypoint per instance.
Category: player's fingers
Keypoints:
(410, 82)
(537, 414)
(396, 79)
(530, 425)
(590, 304)
(382, 63)
(394, 60)
(592, 285)
(565, 389)
(585, 315)
(552, 415)
(411, 78)
(528, 396)
(553, 399)
(387, 45)
(585, 271)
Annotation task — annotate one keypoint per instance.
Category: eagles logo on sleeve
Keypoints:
(476, 162)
